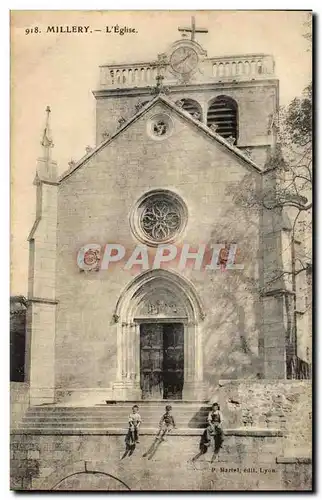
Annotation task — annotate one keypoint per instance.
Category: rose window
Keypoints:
(158, 217)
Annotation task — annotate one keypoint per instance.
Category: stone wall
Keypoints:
(41, 312)
(283, 404)
(93, 207)
(19, 402)
(267, 445)
(94, 462)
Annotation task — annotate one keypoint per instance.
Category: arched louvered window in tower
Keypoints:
(223, 112)
(192, 107)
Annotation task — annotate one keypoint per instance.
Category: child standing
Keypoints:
(166, 423)
(134, 423)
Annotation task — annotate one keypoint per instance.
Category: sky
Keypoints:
(61, 70)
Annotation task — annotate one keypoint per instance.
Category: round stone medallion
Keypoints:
(160, 126)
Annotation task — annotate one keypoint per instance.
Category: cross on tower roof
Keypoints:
(193, 30)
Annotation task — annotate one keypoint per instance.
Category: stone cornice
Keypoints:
(40, 300)
(262, 381)
(50, 183)
(294, 460)
(200, 87)
(250, 145)
(278, 291)
(245, 431)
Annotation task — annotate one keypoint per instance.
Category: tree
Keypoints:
(294, 196)
(290, 197)
(288, 194)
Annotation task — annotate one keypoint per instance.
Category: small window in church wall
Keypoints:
(192, 107)
(160, 126)
(159, 217)
(223, 113)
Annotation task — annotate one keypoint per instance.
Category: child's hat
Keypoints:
(168, 408)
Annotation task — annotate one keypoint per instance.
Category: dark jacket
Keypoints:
(167, 419)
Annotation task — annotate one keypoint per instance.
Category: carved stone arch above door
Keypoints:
(158, 296)
(177, 285)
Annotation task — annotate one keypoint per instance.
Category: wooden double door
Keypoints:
(161, 360)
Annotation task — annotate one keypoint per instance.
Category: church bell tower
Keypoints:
(236, 95)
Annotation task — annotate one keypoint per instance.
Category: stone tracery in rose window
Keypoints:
(160, 128)
(160, 219)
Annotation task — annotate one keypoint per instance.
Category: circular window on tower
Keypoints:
(160, 126)
(159, 217)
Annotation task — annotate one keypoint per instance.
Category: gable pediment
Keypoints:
(163, 104)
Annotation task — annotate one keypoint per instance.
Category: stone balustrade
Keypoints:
(128, 75)
(244, 67)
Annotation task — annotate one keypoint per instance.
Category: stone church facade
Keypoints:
(180, 143)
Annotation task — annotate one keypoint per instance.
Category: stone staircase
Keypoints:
(112, 417)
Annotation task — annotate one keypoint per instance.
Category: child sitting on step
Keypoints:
(134, 424)
(166, 423)
(214, 428)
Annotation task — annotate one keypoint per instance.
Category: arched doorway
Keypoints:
(159, 344)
